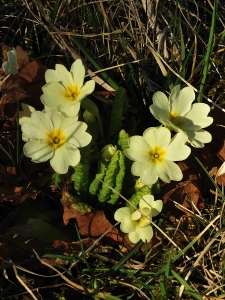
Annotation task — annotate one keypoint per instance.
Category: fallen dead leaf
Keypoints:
(91, 224)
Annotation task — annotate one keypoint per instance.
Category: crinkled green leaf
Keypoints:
(123, 139)
(129, 179)
(110, 178)
(96, 183)
(81, 174)
(120, 106)
(119, 179)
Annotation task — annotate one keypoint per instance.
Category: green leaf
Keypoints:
(96, 183)
(119, 179)
(110, 178)
(92, 123)
(58, 179)
(90, 106)
(120, 106)
(81, 174)
(129, 179)
(123, 140)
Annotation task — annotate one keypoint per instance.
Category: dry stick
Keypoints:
(22, 283)
(73, 284)
(202, 253)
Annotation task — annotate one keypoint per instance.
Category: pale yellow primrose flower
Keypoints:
(153, 155)
(25, 113)
(137, 224)
(179, 114)
(108, 151)
(66, 89)
(10, 66)
(55, 138)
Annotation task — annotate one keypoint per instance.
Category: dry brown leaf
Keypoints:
(91, 224)
(12, 90)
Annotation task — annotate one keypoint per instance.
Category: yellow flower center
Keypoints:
(175, 119)
(72, 93)
(56, 138)
(157, 155)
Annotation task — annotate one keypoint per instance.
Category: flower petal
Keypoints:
(146, 233)
(53, 94)
(86, 89)
(157, 206)
(56, 118)
(39, 126)
(128, 225)
(160, 107)
(70, 111)
(146, 201)
(37, 151)
(123, 213)
(25, 115)
(136, 215)
(58, 74)
(138, 149)
(198, 114)
(177, 150)
(146, 171)
(181, 100)
(198, 138)
(134, 236)
(157, 136)
(65, 156)
(76, 132)
(168, 171)
(78, 72)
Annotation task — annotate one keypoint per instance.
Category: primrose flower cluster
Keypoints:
(155, 152)
(55, 133)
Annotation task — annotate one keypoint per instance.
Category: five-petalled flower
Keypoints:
(55, 138)
(154, 152)
(65, 90)
(137, 223)
(179, 114)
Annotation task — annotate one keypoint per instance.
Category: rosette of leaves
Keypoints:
(112, 174)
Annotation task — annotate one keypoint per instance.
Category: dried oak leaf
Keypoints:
(26, 84)
(92, 223)
(184, 192)
(23, 58)
(12, 90)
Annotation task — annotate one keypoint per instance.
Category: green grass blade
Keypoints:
(123, 260)
(209, 51)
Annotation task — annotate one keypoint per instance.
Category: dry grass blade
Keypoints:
(23, 283)
(206, 249)
(71, 283)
